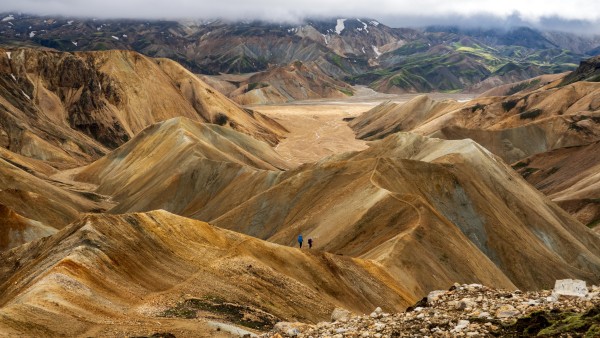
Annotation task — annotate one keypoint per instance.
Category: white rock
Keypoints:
(379, 327)
(290, 329)
(435, 295)
(570, 287)
(462, 324)
(292, 332)
(465, 303)
(378, 310)
(340, 314)
(506, 311)
(474, 286)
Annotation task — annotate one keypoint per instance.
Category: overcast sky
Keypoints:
(581, 14)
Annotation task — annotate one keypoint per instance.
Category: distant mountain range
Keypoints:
(357, 50)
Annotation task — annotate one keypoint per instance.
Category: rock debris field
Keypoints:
(470, 310)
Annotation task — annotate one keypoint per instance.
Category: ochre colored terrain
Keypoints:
(122, 275)
(135, 199)
(279, 84)
(69, 109)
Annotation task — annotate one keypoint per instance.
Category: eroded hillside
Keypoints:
(296, 81)
(112, 163)
(548, 130)
(128, 274)
(389, 203)
(69, 109)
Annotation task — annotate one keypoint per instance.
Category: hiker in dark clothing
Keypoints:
(300, 240)
(310, 243)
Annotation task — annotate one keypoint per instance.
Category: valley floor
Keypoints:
(317, 127)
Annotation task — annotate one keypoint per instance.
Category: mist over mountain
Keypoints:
(358, 50)
(579, 16)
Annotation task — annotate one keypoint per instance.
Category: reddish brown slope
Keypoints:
(570, 177)
(68, 109)
(180, 165)
(381, 204)
(296, 81)
(104, 275)
(451, 206)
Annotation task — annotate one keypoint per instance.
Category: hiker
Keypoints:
(300, 240)
(310, 243)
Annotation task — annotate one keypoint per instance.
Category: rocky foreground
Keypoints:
(570, 310)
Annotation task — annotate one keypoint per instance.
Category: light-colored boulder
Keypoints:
(462, 324)
(290, 329)
(570, 287)
(507, 311)
(435, 295)
(340, 315)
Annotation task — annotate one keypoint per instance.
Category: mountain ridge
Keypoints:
(71, 108)
(358, 50)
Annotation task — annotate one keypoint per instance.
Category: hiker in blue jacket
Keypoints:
(300, 240)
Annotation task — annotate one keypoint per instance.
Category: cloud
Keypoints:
(394, 12)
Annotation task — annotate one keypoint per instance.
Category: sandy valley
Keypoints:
(317, 128)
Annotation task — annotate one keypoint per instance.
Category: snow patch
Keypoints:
(365, 26)
(115, 37)
(70, 22)
(339, 27)
(13, 77)
(31, 34)
(10, 23)
(74, 42)
(124, 35)
(326, 37)
(375, 23)
(27, 96)
(363, 50)
(8, 54)
(8, 18)
(376, 50)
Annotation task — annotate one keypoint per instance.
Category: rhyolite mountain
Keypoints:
(357, 50)
(70, 108)
(547, 127)
(86, 251)
(278, 84)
